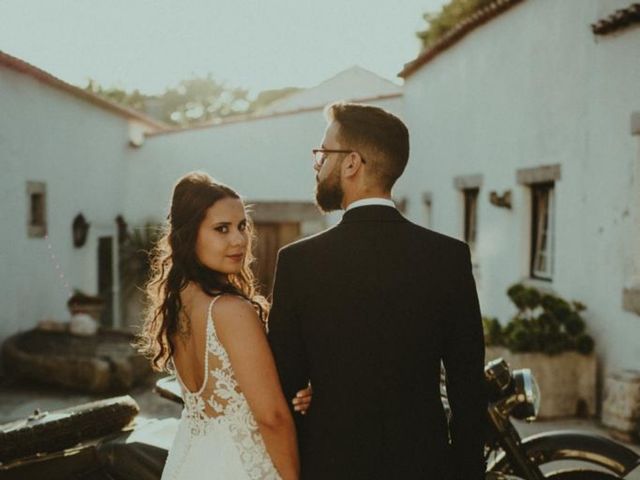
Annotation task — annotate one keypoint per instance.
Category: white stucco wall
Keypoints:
(535, 87)
(77, 149)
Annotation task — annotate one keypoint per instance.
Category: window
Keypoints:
(469, 186)
(37, 213)
(470, 215)
(542, 230)
(541, 182)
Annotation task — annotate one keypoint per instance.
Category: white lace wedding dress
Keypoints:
(217, 436)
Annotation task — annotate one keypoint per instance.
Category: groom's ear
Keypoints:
(351, 165)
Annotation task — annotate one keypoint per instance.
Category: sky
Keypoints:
(254, 44)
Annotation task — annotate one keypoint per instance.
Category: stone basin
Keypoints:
(105, 362)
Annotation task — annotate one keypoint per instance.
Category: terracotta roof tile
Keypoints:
(622, 18)
(454, 35)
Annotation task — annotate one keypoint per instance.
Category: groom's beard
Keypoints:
(329, 193)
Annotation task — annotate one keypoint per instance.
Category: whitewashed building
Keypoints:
(62, 154)
(65, 152)
(266, 158)
(526, 142)
(525, 125)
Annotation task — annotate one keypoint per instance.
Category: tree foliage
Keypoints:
(135, 257)
(194, 101)
(135, 99)
(202, 100)
(439, 24)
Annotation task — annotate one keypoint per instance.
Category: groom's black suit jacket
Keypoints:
(366, 311)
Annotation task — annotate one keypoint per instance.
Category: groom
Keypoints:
(367, 310)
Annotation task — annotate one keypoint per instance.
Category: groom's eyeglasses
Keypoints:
(320, 155)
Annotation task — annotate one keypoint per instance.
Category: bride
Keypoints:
(205, 322)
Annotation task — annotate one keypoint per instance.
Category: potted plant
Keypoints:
(548, 335)
(81, 302)
(135, 268)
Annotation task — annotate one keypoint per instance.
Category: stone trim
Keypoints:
(541, 174)
(631, 300)
(283, 212)
(37, 230)
(545, 286)
(635, 123)
(464, 182)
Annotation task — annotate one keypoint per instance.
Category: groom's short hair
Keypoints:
(373, 130)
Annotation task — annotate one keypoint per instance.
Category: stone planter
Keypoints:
(621, 404)
(567, 381)
(105, 362)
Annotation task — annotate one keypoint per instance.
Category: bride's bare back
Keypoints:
(226, 372)
(189, 342)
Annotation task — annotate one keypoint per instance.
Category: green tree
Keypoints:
(202, 100)
(194, 101)
(439, 24)
(135, 99)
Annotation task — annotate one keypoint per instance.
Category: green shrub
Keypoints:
(544, 323)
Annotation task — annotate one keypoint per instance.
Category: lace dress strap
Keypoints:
(209, 332)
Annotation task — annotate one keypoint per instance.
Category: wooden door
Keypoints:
(270, 237)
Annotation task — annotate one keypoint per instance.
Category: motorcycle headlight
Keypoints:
(527, 394)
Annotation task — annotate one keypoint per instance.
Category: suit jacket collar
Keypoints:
(372, 213)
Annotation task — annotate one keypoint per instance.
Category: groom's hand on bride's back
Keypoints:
(302, 401)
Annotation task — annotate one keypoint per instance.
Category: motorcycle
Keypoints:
(106, 441)
(516, 394)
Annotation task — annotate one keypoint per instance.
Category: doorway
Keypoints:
(270, 237)
(105, 279)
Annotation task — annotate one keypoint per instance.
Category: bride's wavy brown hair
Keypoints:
(174, 264)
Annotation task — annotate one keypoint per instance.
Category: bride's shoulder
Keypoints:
(235, 318)
(196, 304)
(229, 307)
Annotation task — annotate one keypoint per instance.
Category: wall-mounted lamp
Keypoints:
(502, 201)
(79, 230)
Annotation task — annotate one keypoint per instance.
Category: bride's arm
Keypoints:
(243, 336)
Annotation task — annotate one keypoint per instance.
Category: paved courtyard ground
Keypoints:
(19, 400)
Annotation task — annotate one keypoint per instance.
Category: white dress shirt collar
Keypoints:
(370, 201)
